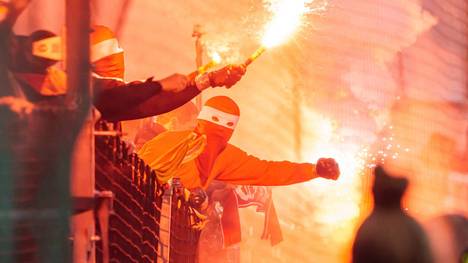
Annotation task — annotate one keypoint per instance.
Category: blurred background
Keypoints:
(363, 81)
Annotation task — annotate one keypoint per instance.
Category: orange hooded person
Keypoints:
(203, 155)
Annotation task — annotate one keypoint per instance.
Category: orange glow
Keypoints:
(287, 18)
(3, 12)
(338, 208)
(215, 60)
(215, 57)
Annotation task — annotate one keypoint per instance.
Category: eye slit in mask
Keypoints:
(230, 124)
(215, 119)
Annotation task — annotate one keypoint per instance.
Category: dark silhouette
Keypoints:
(389, 234)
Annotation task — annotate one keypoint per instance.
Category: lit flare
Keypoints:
(287, 18)
(215, 60)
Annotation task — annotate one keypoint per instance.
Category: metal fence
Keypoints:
(134, 226)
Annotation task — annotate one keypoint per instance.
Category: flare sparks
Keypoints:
(287, 17)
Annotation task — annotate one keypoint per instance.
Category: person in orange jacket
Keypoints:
(201, 156)
(204, 154)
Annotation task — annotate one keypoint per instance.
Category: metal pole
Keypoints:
(79, 99)
(6, 162)
(77, 57)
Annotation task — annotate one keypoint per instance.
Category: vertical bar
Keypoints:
(77, 55)
(6, 162)
(79, 99)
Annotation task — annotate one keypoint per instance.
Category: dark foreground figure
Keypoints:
(389, 234)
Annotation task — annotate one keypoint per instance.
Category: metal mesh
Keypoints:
(134, 227)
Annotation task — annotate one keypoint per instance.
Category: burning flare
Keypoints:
(215, 60)
(287, 18)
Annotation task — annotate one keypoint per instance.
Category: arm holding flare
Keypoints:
(118, 101)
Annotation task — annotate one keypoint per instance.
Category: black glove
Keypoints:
(327, 168)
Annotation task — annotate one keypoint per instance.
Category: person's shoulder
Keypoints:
(230, 149)
(231, 153)
(174, 135)
(165, 142)
(171, 137)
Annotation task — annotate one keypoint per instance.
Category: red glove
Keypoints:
(327, 168)
(227, 76)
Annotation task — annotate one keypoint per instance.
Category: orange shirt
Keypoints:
(173, 155)
(237, 167)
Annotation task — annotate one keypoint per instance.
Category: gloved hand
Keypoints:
(198, 199)
(327, 168)
(227, 76)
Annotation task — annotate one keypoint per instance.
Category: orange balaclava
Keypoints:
(217, 120)
(107, 57)
(107, 60)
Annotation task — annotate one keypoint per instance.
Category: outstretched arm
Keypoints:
(237, 167)
(119, 101)
(156, 104)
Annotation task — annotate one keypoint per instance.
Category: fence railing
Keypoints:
(134, 226)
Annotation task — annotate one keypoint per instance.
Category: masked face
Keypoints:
(110, 66)
(106, 56)
(215, 134)
(217, 138)
(22, 53)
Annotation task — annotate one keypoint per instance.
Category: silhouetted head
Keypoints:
(387, 189)
(389, 235)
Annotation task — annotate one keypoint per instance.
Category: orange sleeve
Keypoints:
(237, 167)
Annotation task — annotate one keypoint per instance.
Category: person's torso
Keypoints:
(189, 175)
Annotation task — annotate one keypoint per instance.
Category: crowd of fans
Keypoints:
(193, 145)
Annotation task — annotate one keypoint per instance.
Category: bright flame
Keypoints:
(215, 57)
(338, 205)
(341, 197)
(287, 17)
(215, 60)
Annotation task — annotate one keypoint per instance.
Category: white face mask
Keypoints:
(218, 117)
